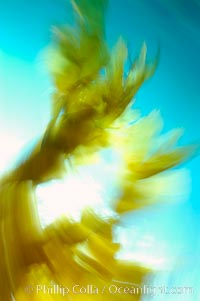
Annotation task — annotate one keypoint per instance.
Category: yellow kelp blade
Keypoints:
(91, 94)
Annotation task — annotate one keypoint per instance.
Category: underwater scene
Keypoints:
(99, 150)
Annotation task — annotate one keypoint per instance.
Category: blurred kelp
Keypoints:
(91, 109)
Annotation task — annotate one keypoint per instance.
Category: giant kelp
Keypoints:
(91, 108)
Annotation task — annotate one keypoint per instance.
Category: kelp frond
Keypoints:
(91, 108)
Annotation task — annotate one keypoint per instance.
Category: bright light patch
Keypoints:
(68, 197)
(90, 185)
(149, 260)
(10, 147)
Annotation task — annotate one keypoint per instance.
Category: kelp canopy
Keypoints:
(91, 108)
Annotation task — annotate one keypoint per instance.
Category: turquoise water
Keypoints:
(25, 89)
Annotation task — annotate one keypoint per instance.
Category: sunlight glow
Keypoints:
(10, 147)
(68, 197)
